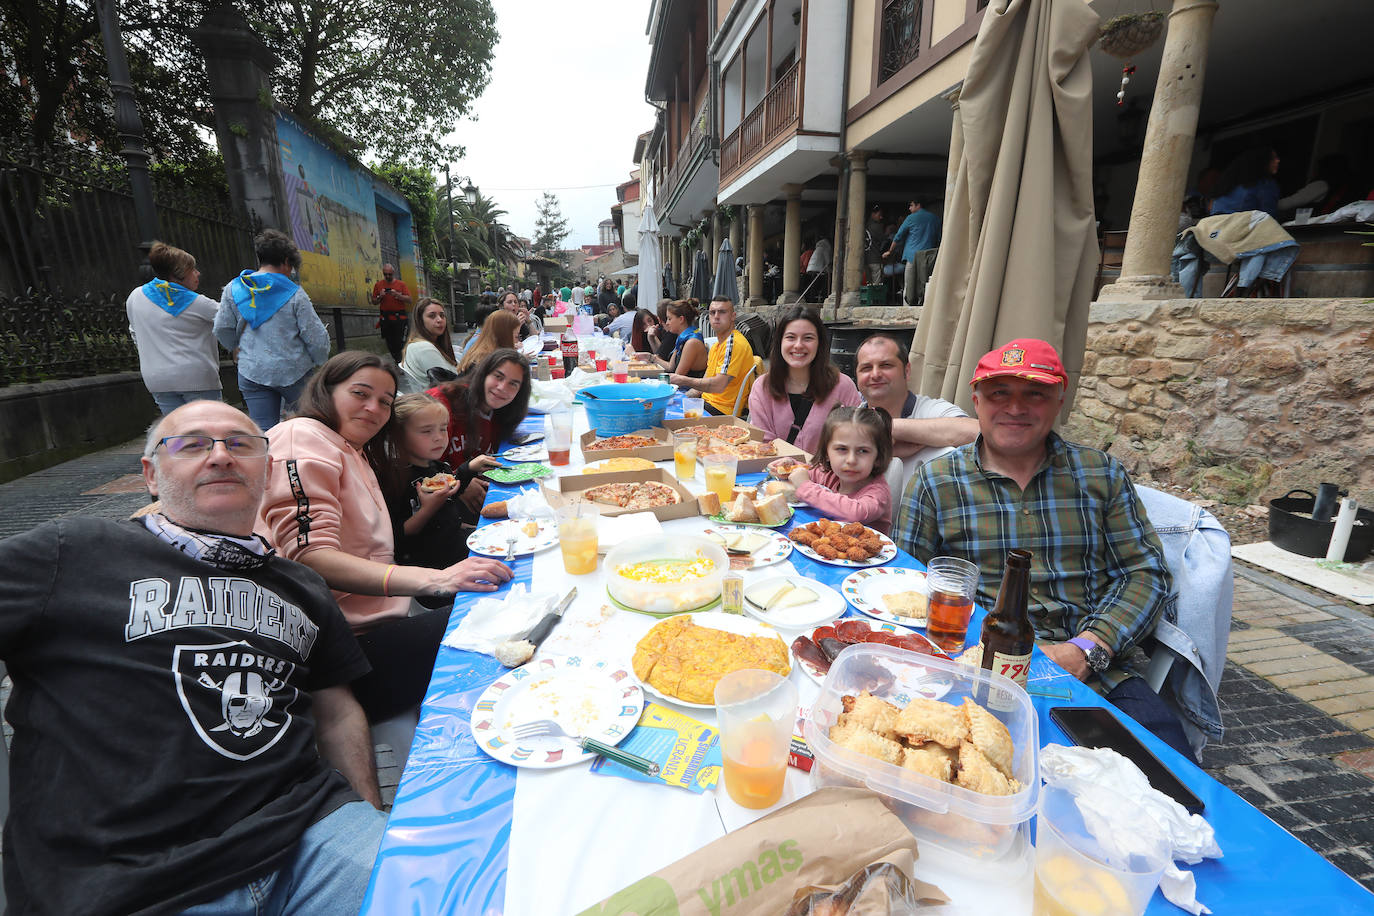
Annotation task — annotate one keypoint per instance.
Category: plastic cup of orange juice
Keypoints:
(756, 711)
(577, 537)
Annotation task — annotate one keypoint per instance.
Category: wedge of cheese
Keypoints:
(764, 594)
(795, 597)
(773, 510)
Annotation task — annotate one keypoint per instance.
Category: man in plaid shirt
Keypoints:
(1099, 581)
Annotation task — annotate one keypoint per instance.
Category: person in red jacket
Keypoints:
(393, 298)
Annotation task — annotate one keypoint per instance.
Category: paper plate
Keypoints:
(587, 698)
(864, 590)
(531, 452)
(718, 620)
(490, 540)
(889, 553)
(520, 473)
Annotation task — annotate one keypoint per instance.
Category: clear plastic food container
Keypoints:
(979, 826)
(666, 556)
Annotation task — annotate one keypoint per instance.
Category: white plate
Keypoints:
(531, 346)
(717, 620)
(888, 554)
(865, 588)
(802, 616)
(909, 681)
(587, 698)
(777, 549)
(490, 540)
(535, 451)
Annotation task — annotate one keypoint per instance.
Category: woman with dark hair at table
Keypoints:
(689, 349)
(644, 324)
(173, 328)
(664, 341)
(501, 331)
(324, 508)
(802, 385)
(429, 346)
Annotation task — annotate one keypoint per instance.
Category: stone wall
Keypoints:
(1244, 399)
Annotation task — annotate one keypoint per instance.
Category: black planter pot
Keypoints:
(1301, 535)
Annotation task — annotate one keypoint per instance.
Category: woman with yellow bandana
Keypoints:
(171, 325)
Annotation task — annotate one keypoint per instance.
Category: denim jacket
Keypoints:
(1197, 621)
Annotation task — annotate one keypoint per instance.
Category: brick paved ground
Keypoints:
(1297, 696)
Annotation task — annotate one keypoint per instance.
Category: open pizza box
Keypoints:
(746, 465)
(645, 370)
(661, 452)
(556, 323)
(563, 490)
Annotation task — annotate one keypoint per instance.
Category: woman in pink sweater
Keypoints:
(802, 386)
(847, 483)
(324, 508)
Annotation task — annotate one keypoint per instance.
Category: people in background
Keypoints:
(664, 341)
(689, 355)
(530, 325)
(727, 363)
(501, 331)
(479, 318)
(641, 331)
(845, 483)
(392, 298)
(270, 323)
(622, 320)
(1248, 183)
(429, 346)
(173, 328)
(919, 231)
(802, 386)
(325, 508)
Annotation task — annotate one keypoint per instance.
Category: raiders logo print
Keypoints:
(235, 696)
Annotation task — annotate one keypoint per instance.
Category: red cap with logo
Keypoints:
(1030, 359)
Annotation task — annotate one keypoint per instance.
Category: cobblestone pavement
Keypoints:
(1297, 696)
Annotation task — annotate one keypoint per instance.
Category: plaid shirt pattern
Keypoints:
(1097, 563)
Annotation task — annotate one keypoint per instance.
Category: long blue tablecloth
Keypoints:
(445, 849)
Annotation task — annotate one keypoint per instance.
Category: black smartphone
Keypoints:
(1096, 726)
(525, 438)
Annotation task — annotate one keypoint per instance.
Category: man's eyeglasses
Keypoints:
(200, 446)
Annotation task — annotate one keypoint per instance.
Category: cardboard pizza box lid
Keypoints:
(661, 452)
(562, 490)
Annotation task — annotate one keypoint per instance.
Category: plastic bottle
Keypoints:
(568, 344)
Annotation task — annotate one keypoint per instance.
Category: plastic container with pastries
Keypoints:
(982, 827)
(666, 555)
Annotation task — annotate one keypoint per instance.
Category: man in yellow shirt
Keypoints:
(729, 360)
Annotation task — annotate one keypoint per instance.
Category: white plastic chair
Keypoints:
(896, 477)
(742, 396)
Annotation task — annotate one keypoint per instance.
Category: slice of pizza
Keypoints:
(621, 442)
(755, 449)
(651, 494)
(610, 494)
(731, 434)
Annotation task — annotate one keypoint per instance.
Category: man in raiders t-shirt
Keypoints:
(922, 427)
(183, 725)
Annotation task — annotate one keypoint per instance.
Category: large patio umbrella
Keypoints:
(650, 268)
(726, 284)
(1019, 247)
(701, 277)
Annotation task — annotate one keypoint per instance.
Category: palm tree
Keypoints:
(479, 233)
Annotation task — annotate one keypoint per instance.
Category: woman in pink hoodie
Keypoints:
(324, 508)
(802, 385)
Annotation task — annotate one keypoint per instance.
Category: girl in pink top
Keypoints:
(847, 482)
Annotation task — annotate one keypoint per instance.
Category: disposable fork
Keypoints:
(549, 728)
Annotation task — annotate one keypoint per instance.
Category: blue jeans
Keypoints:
(168, 401)
(327, 875)
(267, 403)
(1135, 698)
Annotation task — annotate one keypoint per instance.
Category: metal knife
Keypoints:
(543, 628)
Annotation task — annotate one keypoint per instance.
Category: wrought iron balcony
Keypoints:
(772, 118)
(901, 36)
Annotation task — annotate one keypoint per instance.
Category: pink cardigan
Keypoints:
(872, 505)
(774, 415)
(321, 493)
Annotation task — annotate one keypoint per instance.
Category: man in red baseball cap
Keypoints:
(1099, 582)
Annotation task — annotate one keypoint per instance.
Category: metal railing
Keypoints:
(697, 135)
(901, 36)
(46, 335)
(772, 117)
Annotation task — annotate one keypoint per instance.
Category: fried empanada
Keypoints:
(860, 740)
(931, 720)
(976, 772)
(933, 760)
(989, 735)
(870, 712)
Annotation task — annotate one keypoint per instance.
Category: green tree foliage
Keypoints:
(550, 226)
(393, 75)
(417, 186)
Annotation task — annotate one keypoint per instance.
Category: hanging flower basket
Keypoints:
(1128, 35)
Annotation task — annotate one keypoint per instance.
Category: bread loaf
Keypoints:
(708, 503)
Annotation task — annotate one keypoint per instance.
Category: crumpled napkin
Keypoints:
(1096, 775)
(492, 621)
(530, 504)
(551, 395)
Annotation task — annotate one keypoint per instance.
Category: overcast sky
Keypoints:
(587, 89)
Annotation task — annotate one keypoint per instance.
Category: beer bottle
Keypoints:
(1008, 637)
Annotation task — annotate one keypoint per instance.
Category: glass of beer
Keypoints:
(558, 436)
(952, 583)
(693, 408)
(719, 473)
(1075, 873)
(757, 713)
(577, 537)
(685, 455)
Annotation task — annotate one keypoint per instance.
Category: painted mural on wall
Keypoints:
(333, 202)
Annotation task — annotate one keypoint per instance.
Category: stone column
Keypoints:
(239, 67)
(676, 243)
(854, 230)
(1164, 163)
(791, 246)
(755, 259)
(737, 232)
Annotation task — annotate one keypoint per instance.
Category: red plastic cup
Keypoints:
(557, 372)
(601, 364)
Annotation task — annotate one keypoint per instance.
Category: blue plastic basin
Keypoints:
(615, 410)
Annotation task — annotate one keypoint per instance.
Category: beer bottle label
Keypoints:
(1013, 667)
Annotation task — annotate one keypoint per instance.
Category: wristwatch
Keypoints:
(1098, 658)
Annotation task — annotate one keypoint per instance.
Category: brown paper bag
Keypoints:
(819, 841)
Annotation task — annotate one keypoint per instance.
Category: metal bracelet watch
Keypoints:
(1098, 657)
